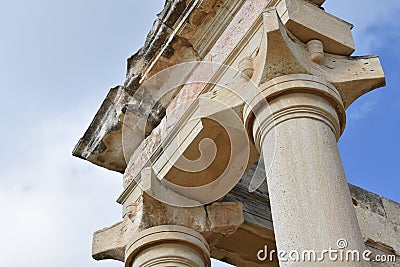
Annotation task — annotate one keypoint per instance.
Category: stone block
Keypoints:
(307, 21)
(392, 209)
(379, 229)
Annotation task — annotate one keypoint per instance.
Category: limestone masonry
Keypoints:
(226, 130)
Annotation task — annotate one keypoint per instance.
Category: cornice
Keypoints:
(102, 142)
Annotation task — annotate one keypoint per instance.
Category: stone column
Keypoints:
(168, 245)
(310, 199)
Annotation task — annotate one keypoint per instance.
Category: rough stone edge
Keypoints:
(137, 66)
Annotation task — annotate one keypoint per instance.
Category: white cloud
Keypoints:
(360, 111)
(51, 202)
(370, 20)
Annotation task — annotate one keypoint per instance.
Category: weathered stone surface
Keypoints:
(256, 206)
(257, 215)
(109, 243)
(367, 200)
(171, 42)
(274, 44)
(379, 229)
(374, 226)
(392, 209)
(225, 217)
(318, 2)
(229, 39)
(167, 44)
(300, 16)
(102, 142)
(142, 211)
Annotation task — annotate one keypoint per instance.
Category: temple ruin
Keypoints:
(226, 130)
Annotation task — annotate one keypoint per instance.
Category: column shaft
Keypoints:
(309, 195)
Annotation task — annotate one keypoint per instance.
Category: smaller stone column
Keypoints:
(168, 245)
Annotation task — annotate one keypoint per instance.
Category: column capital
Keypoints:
(168, 245)
(288, 64)
(293, 96)
(282, 53)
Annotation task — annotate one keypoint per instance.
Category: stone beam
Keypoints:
(190, 165)
(143, 211)
(318, 2)
(110, 242)
(184, 31)
(240, 248)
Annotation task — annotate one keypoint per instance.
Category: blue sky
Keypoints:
(57, 61)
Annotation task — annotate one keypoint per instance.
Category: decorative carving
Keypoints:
(246, 66)
(316, 51)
